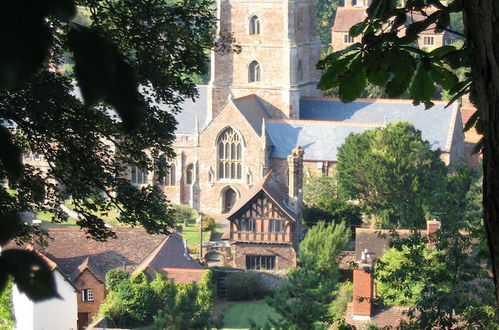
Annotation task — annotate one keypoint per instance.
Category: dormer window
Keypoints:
(254, 72)
(254, 25)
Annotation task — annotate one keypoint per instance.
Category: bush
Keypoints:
(244, 286)
(115, 277)
(344, 295)
(184, 212)
(208, 223)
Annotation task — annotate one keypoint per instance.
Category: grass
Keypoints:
(46, 218)
(237, 314)
(191, 235)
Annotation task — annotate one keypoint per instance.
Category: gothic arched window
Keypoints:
(254, 72)
(189, 172)
(169, 178)
(138, 175)
(229, 199)
(229, 155)
(254, 25)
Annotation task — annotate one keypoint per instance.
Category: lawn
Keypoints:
(237, 314)
(46, 218)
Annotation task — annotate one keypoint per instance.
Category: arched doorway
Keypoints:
(229, 199)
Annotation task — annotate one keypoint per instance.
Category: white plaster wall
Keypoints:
(53, 314)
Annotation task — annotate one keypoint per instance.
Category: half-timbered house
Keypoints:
(266, 223)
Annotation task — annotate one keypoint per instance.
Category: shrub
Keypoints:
(114, 277)
(208, 223)
(344, 295)
(184, 212)
(244, 286)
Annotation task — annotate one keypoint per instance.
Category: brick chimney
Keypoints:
(432, 227)
(363, 288)
(295, 178)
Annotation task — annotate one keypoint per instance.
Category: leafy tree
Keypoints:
(160, 304)
(318, 187)
(387, 56)
(333, 210)
(6, 308)
(326, 12)
(304, 300)
(89, 145)
(393, 174)
(115, 277)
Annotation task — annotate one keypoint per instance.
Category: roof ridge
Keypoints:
(244, 97)
(376, 100)
(329, 122)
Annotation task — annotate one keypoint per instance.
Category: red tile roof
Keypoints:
(182, 275)
(346, 17)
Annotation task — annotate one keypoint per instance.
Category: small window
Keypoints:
(254, 72)
(299, 23)
(260, 262)
(138, 175)
(254, 25)
(169, 178)
(87, 295)
(428, 41)
(348, 39)
(276, 226)
(300, 71)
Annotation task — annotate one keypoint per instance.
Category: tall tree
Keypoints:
(393, 173)
(304, 300)
(387, 56)
(157, 44)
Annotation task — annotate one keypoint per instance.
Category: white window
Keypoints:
(348, 39)
(254, 72)
(428, 41)
(87, 295)
(254, 25)
(139, 176)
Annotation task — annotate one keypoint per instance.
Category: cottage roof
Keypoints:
(192, 110)
(346, 17)
(92, 266)
(70, 247)
(273, 188)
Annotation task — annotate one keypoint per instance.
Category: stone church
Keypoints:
(263, 102)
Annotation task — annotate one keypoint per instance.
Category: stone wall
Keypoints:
(285, 254)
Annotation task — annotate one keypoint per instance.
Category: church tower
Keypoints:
(279, 51)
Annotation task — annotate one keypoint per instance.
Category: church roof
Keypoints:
(434, 123)
(320, 139)
(192, 110)
(252, 109)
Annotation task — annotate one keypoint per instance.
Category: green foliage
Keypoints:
(344, 295)
(304, 300)
(113, 52)
(319, 187)
(184, 213)
(333, 210)
(160, 304)
(208, 223)
(326, 12)
(446, 286)
(6, 308)
(403, 290)
(115, 277)
(393, 173)
(322, 245)
(243, 286)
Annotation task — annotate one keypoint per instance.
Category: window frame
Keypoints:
(254, 72)
(254, 25)
(87, 295)
(230, 151)
(255, 262)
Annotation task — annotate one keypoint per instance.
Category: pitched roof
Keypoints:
(376, 241)
(192, 110)
(319, 139)
(182, 275)
(253, 110)
(171, 253)
(434, 123)
(346, 17)
(270, 185)
(70, 248)
(90, 264)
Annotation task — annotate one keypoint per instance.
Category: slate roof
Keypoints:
(190, 111)
(433, 123)
(273, 187)
(70, 248)
(346, 17)
(319, 139)
(90, 264)
(253, 110)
